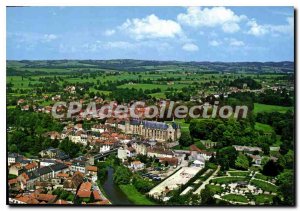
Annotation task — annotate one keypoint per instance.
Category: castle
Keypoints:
(159, 131)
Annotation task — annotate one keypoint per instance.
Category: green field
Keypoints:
(239, 173)
(215, 189)
(227, 180)
(258, 107)
(235, 198)
(264, 185)
(263, 127)
(183, 125)
(263, 198)
(135, 196)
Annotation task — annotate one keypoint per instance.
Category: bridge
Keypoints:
(101, 156)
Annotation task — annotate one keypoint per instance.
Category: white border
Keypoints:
(4, 3)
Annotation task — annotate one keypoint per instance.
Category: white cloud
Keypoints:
(256, 29)
(215, 43)
(190, 47)
(259, 30)
(109, 32)
(211, 17)
(49, 37)
(151, 27)
(230, 27)
(236, 43)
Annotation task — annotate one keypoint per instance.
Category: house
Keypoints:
(247, 149)
(27, 179)
(98, 128)
(105, 148)
(78, 166)
(73, 183)
(130, 152)
(200, 162)
(85, 190)
(13, 158)
(169, 161)
(159, 152)
(140, 148)
(209, 143)
(54, 153)
(195, 151)
(122, 153)
(16, 169)
(47, 162)
(256, 159)
(30, 167)
(91, 170)
(137, 165)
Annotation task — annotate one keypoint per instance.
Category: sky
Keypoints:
(229, 34)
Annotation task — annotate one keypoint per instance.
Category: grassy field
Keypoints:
(227, 180)
(239, 173)
(258, 107)
(135, 196)
(263, 198)
(264, 185)
(184, 126)
(263, 127)
(235, 198)
(215, 189)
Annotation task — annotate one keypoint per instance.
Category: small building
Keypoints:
(137, 165)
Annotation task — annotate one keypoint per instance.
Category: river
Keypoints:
(113, 192)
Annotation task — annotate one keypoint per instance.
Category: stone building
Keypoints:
(159, 131)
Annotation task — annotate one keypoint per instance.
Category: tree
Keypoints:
(207, 197)
(226, 157)
(285, 182)
(69, 147)
(185, 139)
(271, 168)
(122, 175)
(242, 162)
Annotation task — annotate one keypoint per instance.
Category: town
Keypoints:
(104, 161)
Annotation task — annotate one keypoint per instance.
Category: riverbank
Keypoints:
(136, 197)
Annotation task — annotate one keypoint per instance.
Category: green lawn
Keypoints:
(235, 198)
(227, 180)
(135, 196)
(263, 127)
(239, 173)
(264, 185)
(263, 198)
(261, 176)
(258, 107)
(215, 189)
(183, 125)
(163, 87)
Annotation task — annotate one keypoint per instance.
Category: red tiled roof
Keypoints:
(195, 148)
(62, 175)
(60, 201)
(97, 195)
(171, 161)
(27, 200)
(30, 166)
(92, 168)
(84, 190)
(44, 197)
(12, 181)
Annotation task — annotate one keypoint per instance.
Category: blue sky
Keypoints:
(152, 33)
